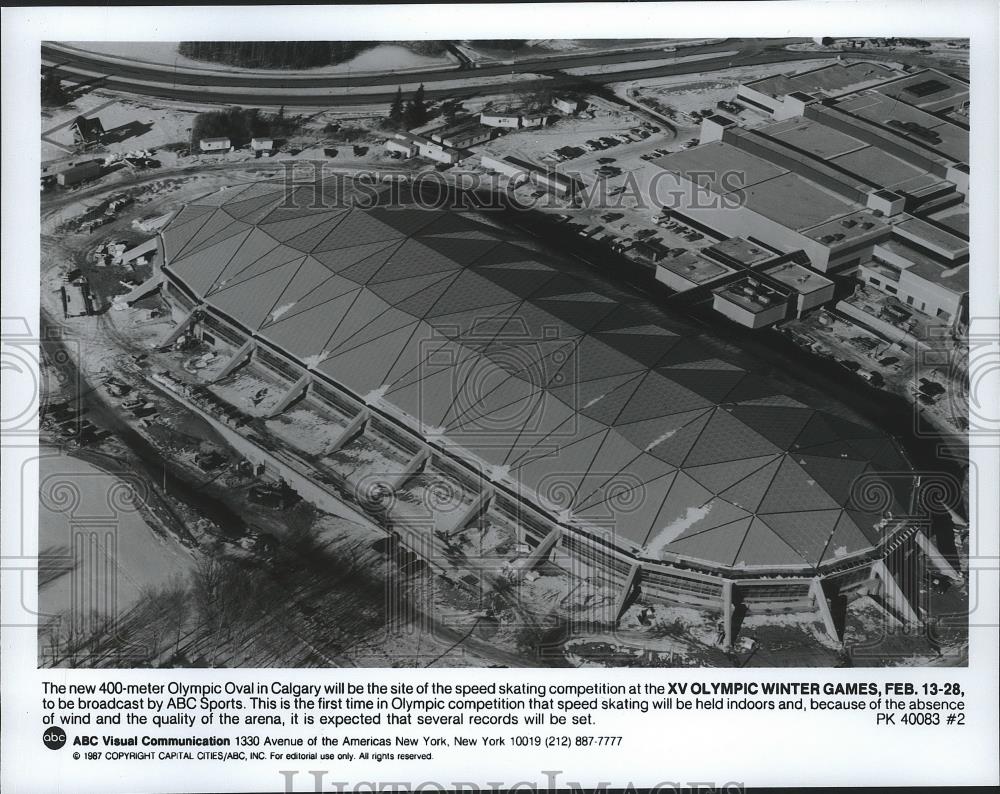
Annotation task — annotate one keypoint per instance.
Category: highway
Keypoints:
(214, 86)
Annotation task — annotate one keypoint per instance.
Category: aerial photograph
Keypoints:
(575, 353)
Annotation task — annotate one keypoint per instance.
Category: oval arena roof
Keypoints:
(569, 394)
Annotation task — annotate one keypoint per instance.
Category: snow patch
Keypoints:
(499, 472)
(657, 441)
(315, 358)
(676, 528)
(376, 395)
(281, 310)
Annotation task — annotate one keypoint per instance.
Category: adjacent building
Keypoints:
(863, 170)
(689, 270)
(410, 145)
(566, 105)
(262, 146)
(215, 145)
(513, 119)
(809, 288)
(87, 132)
(462, 134)
(79, 173)
(752, 301)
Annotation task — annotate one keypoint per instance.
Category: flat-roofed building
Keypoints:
(929, 89)
(544, 177)
(262, 145)
(744, 195)
(76, 299)
(79, 173)
(531, 120)
(215, 145)
(811, 288)
(934, 238)
(739, 252)
(406, 142)
(565, 105)
(895, 141)
(786, 95)
(712, 128)
(405, 147)
(688, 270)
(752, 302)
(509, 119)
(512, 167)
(936, 133)
(840, 183)
(559, 183)
(463, 134)
(933, 287)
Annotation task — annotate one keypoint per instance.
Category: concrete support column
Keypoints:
(937, 559)
(621, 604)
(181, 327)
(245, 352)
(477, 508)
(413, 466)
(823, 606)
(894, 597)
(297, 390)
(541, 552)
(149, 285)
(353, 429)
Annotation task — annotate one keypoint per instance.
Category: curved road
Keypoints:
(255, 88)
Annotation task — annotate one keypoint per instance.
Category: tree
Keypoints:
(53, 94)
(416, 110)
(396, 108)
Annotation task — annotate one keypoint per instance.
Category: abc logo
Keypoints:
(54, 737)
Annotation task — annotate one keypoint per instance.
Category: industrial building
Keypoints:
(78, 173)
(624, 439)
(783, 95)
(863, 170)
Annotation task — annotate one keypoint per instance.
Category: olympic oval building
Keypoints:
(608, 430)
